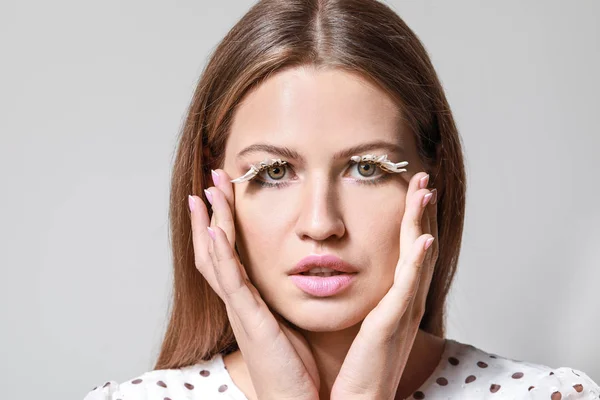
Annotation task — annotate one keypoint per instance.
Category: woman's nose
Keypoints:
(320, 214)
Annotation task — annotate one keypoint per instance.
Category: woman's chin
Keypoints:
(324, 316)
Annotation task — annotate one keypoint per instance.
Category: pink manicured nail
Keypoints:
(428, 243)
(426, 198)
(215, 177)
(211, 233)
(434, 200)
(192, 203)
(423, 182)
(208, 196)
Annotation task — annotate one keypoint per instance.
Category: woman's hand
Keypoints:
(388, 332)
(279, 359)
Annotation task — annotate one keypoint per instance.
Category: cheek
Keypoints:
(375, 226)
(261, 226)
(377, 218)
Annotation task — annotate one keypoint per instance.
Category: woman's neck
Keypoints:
(329, 350)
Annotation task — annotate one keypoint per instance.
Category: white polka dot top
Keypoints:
(206, 380)
(464, 372)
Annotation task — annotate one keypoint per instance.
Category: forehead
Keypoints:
(315, 110)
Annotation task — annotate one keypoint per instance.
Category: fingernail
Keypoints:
(192, 203)
(208, 196)
(215, 177)
(428, 243)
(423, 182)
(211, 233)
(434, 200)
(426, 198)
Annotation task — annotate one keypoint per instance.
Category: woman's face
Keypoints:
(324, 204)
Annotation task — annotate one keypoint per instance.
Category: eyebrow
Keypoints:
(287, 153)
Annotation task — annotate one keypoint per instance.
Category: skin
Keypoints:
(323, 208)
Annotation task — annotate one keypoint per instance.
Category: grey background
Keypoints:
(92, 95)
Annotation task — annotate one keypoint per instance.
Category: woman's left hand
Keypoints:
(387, 334)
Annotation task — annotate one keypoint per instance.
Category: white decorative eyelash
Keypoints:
(256, 168)
(382, 161)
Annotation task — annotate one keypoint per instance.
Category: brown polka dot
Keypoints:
(161, 384)
(418, 395)
(222, 388)
(481, 364)
(106, 384)
(551, 373)
(470, 379)
(188, 385)
(136, 381)
(578, 387)
(530, 387)
(441, 381)
(494, 388)
(517, 375)
(453, 360)
(204, 373)
(556, 396)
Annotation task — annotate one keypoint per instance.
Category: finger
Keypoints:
(210, 245)
(201, 241)
(235, 287)
(221, 180)
(426, 225)
(430, 227)
(222, 213)
(411, 226)
(433, 223)
(388, 313)
(429, 223)
(427, 269)
(408, 274)
(222, 217)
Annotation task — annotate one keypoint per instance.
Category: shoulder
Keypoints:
(563, 383)
(207, 379)
(466, 371)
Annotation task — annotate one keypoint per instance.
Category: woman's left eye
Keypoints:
(366, 170)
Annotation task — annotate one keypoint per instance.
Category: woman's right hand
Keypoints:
(278, 357)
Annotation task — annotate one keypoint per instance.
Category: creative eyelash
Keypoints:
(381, 161)
(255, 169)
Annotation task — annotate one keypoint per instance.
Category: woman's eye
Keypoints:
(366, 170)
(273, 176)
(276, 172)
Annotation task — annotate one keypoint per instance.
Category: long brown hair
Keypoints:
(363, 36)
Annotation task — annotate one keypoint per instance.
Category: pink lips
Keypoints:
(321, 286)
(327, 261)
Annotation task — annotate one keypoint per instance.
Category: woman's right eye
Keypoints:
(273, 176)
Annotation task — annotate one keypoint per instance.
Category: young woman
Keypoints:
(317, 211)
